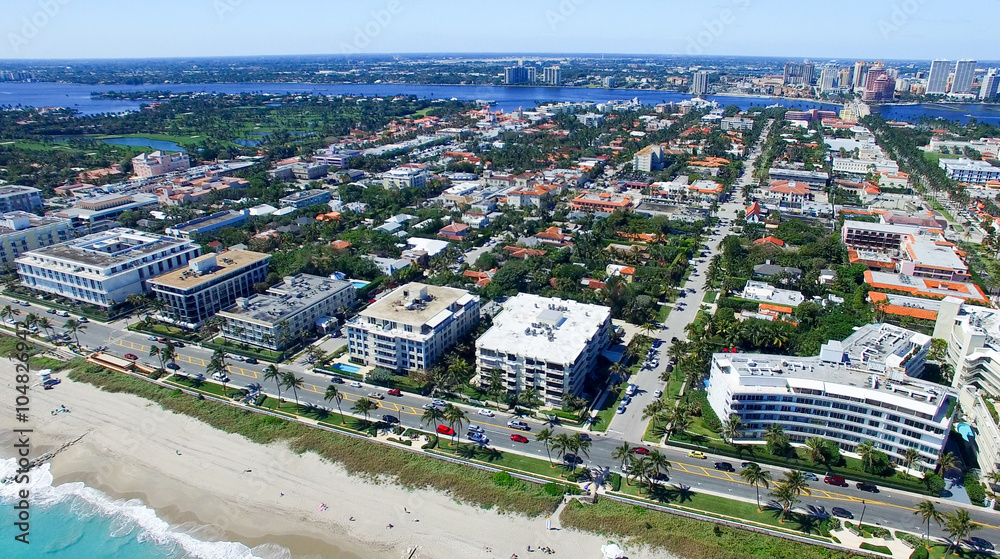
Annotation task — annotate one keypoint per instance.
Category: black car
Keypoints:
(842, 513)
(251, 360)
(572, 459)
(173, 366)
(745, 464)
(178, 344)
(390, 419)
(584, 437)
(724, 466)
(869, 487)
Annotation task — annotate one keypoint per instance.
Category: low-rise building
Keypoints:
(155, 163)
(21, 232)
(968, 170)
(306, 198)
(546, 344)
(14, 198)
(863, 388)
(601, 202)
(103, 269)
(202, 225)
(287, 312)
(405, 176)
(815, 179)
(210, 284)
(412, 327)
(765, 293)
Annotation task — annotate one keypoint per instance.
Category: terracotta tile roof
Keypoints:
(770, 240)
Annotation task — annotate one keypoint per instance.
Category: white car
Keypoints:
(485, 412)
(658, 394)
(220, 377)
(355, 384)
(376, 395)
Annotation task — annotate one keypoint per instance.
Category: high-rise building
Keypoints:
(609, 83)
(553, 75)
(844, 77)
(937, 80)
(519, 74)
(860, 74)
(991, 83)
(828, 78)
(881, 88)
(965, 71)
(699, 82)
(798, 73)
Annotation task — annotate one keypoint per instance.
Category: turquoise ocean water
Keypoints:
(73, 521)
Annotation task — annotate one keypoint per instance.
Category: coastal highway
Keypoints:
(887, 508)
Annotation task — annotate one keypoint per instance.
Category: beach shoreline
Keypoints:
(221, 487)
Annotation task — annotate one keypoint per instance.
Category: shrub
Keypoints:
(876, 548)
(553, 489)
(920, 553)
(977, 495)
(933, 482)
(503, 479)
(616, 482)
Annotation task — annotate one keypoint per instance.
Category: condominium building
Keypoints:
(875, 236)
(601, 202)
(412, 327)
(202, 225)
(699, 82)
(937, 80)
(405, 176)
(21, 232)
(965, 72)
(519, 74)
(546, 344)
(991, 84)
(969, 170)
(287, 312)
(306, 198)
(860, 73)
(649, 159)
(861, 389)
(103, 269)
(14, 197)
(553, 75)
(828, 78)
(798, 73)
(210, 284)
(147, 165)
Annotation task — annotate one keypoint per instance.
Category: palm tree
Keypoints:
(495, 386)
(946, 463)
(364, 406)
(271, 373)
(867, 452)
(333, 394)
(154, 351)
(731, 428)
(796, 482)
(815, 446)
(564, 444)
(785, 497)
(44, 324)
(680, 419)
(658, 461)
(74, 327)
(775, 437)
(291, 381)
(757, 477)
(7, 312)
(928, 512)
(653, 409)
(623, 453)
(909, 458)
(648, 328)
(455, 418)
(545, 437)
(959, 526)
(432, 416)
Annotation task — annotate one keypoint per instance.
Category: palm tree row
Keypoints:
(958, 525)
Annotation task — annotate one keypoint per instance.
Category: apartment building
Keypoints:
(103, 269)
(875, 236)
(405, 177)
(412, 327)
(306, 198)
(649, 159)
(287, 312)
(14, 198)
(970, 171)
(543, 343)
(147, 165)
(937, 79)
(601, 202)
(21, 232)
(210, 283)
(863, 388)
(202, 225)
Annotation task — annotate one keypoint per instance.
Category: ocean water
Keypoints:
(73, 521)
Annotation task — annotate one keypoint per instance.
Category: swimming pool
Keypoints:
(345, 368)
(966, 431)
(359, 284)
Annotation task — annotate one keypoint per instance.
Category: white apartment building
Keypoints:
(104, 268)
(849, 165)
(14, 197)
(861, 389)
(21, 232)
(155, 163)
(991, 84)
(937, 79)
(412, 327)
(965, 72)
(969, 170)
(287, 312)
(405, 177)
(649, 159)
(547, 344)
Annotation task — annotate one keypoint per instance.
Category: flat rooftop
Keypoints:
(397, 306)
(546, 328)
(305, 194)
(107, 249)
(924, 286)
(226, 263)
(881, 227)
(209, 221)
(287, 298)
(10, 218)
(929, 253)
(11, 189)
(766, 293)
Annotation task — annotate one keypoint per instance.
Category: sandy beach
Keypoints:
(192, 474)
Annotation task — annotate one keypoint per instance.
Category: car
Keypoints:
(620, 410)
(724, 466)
(572, 459)
(179, 344)
(584, 437)
(394, 392)
(251, 361)
(697, 454)
(842, 513)
(63, 314)
(219, 377)
(439, 403)
(390, 419)
(747, 464)
(376, 395)
(626, 469)
(835, 480)
(51, 382)
(486, 413)
(810, 476)
(152, 338)
(476, 429)
(980, 543)
(520, 425)
(658, 394)
(869, 487)
(336, 380)
(518, 438)
(173, 366)
(355, 384)
(640, 450)
(131, 356)
(478, 438)
(445, 430)
(626, 400)
(83, 320)
(631, 390)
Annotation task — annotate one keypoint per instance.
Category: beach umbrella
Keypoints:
(612, 551)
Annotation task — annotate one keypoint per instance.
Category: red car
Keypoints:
(835, 480)
(445, 430)
(131, 356)
(394, 392)
(518, 438)
(640, 450)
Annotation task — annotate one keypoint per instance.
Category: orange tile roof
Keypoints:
(770, 240)
(340, 245)
(518, 252)
(776, 308)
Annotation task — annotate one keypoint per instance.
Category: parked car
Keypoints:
(621, 409)
(173, 366)
(630, 391)
(131, 356)
(152, 338)
(746, 464)
(390, 419)
(50, 311)
(517, 438)
(51, 382)
(869, 487)
(376, 395)
(658, 394)
(178, 344)
(161, 339)
(697, 454)
(439, 403)
(842, 513)
(584, 437)
(81, 320)
(520, 425)
(626, 400)
(835, 480)
(355, 384)
(724, 466)
(476, 429)
(486, 413)
(445, 430)
(394, 392)
(640, 450)
(479, 438)
(980, 543)
(810, 476)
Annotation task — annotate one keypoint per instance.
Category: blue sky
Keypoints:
(844, 29)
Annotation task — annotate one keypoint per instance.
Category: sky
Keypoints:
(821, 29)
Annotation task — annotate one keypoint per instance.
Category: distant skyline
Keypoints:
(844, 30)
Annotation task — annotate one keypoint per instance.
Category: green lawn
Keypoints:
(934, 156)
(249, 351)
(203, 386)
(607, 411)
(509, 460)
(160, 329)
(933, 203)
(711, 296)
(663, 313)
